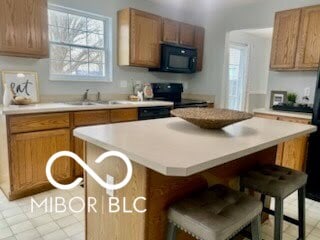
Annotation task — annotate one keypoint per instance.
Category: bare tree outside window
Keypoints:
(77, 45)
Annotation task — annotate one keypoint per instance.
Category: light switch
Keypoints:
(110, 180)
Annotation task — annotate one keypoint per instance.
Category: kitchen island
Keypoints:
(171, 159)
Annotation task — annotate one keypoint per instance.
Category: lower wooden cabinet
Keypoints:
(29, 155)
(291, 154)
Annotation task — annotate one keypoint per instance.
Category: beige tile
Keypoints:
(16, 219)
(74, 229)
(7, 205)
(3, 224)
(44, 219)
(10, 238)
(57, 235)
(21, 227)
(56, 216)
(47, 228)
(5, 233)
(63, 222)
(292, 230)
(79, 216)
(37, 212)
(28, 235)
(11, 212)
(81, 236)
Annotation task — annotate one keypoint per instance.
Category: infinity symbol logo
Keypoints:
(100, 181)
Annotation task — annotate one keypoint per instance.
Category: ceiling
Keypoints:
(204, 4)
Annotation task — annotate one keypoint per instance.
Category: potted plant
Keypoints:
(292, 98)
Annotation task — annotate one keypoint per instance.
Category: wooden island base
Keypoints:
(159, 190)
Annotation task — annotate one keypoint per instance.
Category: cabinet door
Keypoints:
(24, 28)
(199, 44)
(309, 39)
(285, 39)
(124, 115)
(294, 153)
(186, 34)
(30, 153)
(78, 148)
(145, 39)
(170, 31)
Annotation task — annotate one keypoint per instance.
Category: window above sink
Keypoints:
(80, 45)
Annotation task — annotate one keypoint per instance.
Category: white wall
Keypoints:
(107, 8)
(254, 16)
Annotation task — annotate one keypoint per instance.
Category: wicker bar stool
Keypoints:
(278, 182)
(218, 213)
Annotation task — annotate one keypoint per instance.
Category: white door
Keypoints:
(237, 77)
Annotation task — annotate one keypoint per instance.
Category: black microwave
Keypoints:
(177, 59)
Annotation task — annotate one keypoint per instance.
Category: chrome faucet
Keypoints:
(85, 95)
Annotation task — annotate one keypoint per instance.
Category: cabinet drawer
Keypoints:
(38, 122)
(91, 118)
(124, 115)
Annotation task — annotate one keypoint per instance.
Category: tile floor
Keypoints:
(17, 222)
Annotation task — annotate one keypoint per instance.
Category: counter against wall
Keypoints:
(307, 116)
(63, 107)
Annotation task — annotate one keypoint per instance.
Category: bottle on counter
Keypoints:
(7, 96)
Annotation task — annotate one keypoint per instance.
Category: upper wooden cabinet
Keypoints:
(285, 39)
(24, 28)
(199, 44)
(170, 31)
(308, 54)
(139, 36)
(296, 40)
(186, 34)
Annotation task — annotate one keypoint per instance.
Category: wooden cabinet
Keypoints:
(124, 115)
(199, 44)
(285, 39)
(186, 34)
(308, 53)
(170, 31)
(24, 28)
(29, 155)
(296, 40)
(291, 154)
(139, 36)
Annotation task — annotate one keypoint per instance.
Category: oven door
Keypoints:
(179, 60)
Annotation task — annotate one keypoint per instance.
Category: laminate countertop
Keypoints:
(174, 147)
(65, 107)
(307, 116)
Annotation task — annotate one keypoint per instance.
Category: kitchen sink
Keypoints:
(80, 103)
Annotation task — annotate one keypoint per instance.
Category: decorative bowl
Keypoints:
(211, 118)
(22, 101)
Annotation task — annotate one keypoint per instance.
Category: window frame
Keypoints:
(107, 48)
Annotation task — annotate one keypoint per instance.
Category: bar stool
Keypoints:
(278, 182)
(218, 213)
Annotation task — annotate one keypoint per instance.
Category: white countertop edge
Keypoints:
(185, 172)
(61, 107)
(301, 115)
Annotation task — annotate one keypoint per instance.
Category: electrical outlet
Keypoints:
(307, 92)
(123, 84)
(110, 180)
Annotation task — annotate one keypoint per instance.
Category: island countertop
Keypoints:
(174, 147)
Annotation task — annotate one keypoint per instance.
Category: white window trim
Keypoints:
(108, 48)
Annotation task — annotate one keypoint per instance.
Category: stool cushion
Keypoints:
(214, 214)
(274, 181)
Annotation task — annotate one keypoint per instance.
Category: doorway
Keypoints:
(237, 76)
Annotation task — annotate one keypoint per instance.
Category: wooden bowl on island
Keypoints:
(211, 118)
(22, 101)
